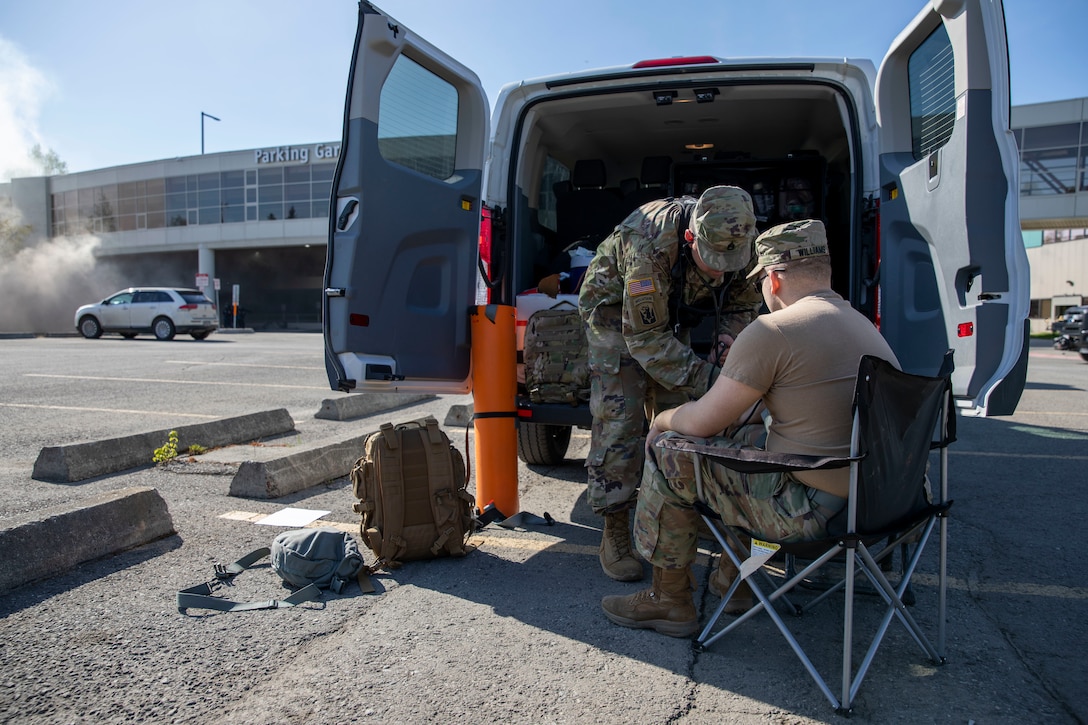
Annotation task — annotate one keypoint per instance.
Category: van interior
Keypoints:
(589, 159)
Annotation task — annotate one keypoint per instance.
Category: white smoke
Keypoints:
(23, 88)
(41, 286)
(42, 282)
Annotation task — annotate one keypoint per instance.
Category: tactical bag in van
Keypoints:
(556, 357)
(410, 483)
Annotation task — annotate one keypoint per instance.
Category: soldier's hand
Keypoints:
(720, 351)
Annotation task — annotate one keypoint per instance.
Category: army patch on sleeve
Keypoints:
(647, 316)
(640, 287)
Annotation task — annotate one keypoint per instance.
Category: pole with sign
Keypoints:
(218, 299)
(234, 291)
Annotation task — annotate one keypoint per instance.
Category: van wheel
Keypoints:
(542, 445)
(163, 328)
(1084, 356)
(200, 334)
(89, 328)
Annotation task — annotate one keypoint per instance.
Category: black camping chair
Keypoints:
(898, 419)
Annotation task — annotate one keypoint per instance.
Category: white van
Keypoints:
(913, 170)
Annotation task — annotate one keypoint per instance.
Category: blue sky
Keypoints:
(112, 82)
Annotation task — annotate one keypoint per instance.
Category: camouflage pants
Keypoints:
(769, 505)
(621, 400)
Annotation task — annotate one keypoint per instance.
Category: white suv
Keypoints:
(913, 169)
(162, 311)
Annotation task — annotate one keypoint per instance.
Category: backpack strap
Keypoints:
(199, 597)
(391, 463)
(444, 489)
(232, 570)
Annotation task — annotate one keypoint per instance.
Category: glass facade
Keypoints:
(221, 197)
(1053, 159)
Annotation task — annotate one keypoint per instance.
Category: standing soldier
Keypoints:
(665, 267)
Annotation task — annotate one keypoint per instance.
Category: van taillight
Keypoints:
(485, 245)
(187, 307)
(684, 60)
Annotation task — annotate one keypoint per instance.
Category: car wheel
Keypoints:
(542, 445)
(89, 328)
(163, 328)
(128, 335)
(200, 334)
(1084, 356)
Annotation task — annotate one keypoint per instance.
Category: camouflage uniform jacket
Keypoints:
(631, 277)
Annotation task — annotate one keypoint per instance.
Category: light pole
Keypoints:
(202, 115)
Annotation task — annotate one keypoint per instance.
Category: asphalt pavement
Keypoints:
(513, 632)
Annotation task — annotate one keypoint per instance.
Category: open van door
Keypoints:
(953, 270)
(400, 271)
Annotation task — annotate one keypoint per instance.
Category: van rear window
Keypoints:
(932, 80)
(417, 120)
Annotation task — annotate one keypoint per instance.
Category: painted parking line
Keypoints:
(502, 542)
(994, 454)
(1049, 412)
(176, 382)
(1053, 591)
(244, 365)
(109, 410)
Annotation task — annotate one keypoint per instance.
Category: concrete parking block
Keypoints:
(53, 540)
(80, 461)
(297, 470)
(356, 405)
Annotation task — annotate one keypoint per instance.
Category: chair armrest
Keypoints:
(751, 460)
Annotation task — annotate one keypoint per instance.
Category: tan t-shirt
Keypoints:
(804, 359)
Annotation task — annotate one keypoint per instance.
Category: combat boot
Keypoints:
(615, 554)
(722, 579)
(666, 607)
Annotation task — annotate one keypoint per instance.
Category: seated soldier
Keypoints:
(800, 360)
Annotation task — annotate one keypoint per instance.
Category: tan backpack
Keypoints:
(410, 483)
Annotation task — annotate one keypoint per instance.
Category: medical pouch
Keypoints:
(556, 357)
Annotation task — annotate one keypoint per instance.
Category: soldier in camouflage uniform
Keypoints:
(651, 281)
(800, 362)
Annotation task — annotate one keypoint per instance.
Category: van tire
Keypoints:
(542, 445)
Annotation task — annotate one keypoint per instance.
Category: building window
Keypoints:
(1053, 236)
(1049, 171)
(1053, 159)
(289, 192)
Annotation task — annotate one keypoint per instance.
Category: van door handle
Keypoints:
(342, 220)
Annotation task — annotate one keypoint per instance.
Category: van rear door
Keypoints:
(400, 272)
(953, 270)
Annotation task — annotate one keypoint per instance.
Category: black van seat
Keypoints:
(654, 182)
(589, 211)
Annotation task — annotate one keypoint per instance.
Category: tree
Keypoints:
(48, 160)
(13, 233)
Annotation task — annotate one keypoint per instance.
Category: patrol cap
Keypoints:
(790, 242)
(724, 225)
